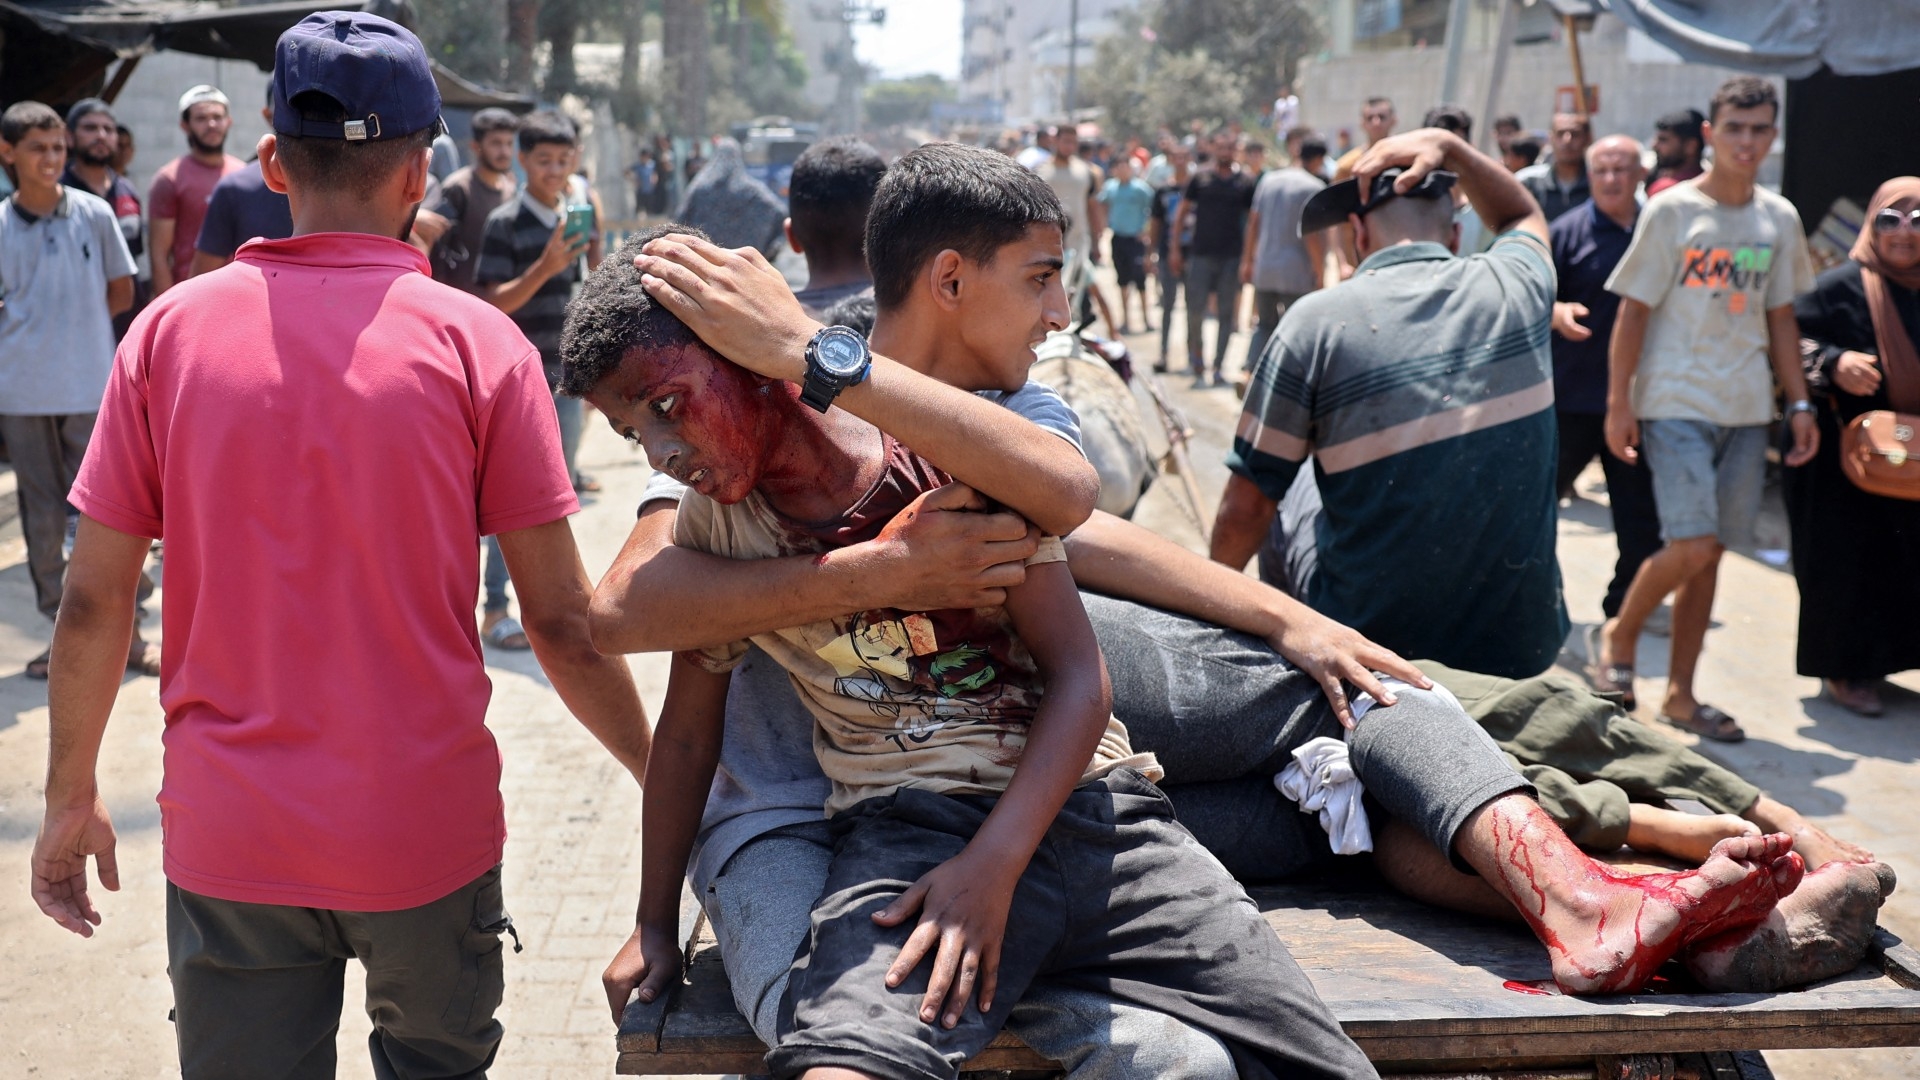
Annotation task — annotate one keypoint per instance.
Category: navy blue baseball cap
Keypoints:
(372, 66)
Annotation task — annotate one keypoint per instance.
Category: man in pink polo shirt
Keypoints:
(322, 433)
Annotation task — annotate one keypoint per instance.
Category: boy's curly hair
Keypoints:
(614, 315)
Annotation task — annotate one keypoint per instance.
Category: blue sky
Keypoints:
(920, 36)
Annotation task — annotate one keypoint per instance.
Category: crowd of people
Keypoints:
(944, 748)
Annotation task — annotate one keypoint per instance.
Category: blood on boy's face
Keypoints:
(703, 421)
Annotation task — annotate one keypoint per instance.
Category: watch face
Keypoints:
(841, 351)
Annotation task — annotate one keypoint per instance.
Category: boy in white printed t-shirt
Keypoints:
(1707, 292)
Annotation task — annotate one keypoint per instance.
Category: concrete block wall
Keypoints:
(1639, 81)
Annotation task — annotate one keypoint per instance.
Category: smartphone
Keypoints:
(579, 223)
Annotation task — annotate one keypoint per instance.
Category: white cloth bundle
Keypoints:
(1321, 780)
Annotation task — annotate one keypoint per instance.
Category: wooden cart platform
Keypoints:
(1423, 992)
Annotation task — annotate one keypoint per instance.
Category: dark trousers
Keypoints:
(257, 987)
(1118, 899)
(1267, 308)
(1217, 276)
(46, 453)
(1636, 522)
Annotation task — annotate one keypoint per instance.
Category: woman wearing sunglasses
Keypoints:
(1857, 556)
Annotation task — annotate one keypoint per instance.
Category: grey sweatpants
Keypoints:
(759, 907)
(257, 987)
(1118, 899)
(46, 453)
(1223, 712)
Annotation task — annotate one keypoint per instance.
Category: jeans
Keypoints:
(1217, 276)
(494, 578)
(1636, 520)
(1268, 306)
(1169, 296)
(759, 908)
(572, 418)
(1707, 480)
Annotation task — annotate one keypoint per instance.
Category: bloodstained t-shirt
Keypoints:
(936, 700)
(322, 434)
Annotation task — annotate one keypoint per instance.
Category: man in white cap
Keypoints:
(178, 198)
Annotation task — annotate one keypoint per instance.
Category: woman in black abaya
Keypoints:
(1857, 556)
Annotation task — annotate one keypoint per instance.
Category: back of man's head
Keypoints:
(614, 315)
(354, 102)
(1408, 218)
(24, 116)
(546, 127)
(1526, 148)
(945, 195)
(1313, 149)
(1454, 118)
(829, 195)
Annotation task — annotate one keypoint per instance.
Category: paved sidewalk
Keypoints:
(98, 1008)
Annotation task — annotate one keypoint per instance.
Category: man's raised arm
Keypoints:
(741, 307)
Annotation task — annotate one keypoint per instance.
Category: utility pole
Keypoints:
(1073, 54)
(1456, 41)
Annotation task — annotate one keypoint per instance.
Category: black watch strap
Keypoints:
(819, 389)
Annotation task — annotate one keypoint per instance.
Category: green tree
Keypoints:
(892, 102)
(1141, 85)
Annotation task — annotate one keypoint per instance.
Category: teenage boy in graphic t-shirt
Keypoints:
(330, 787)
(1705, 331)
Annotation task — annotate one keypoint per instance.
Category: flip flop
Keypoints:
(1708, 723)
(1614, 681)
(37, 667)
(499, 634)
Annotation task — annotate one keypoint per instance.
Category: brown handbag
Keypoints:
(1881, 455)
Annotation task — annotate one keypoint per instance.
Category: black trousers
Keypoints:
(1636, 523)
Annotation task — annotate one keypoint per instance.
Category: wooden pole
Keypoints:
(1579, 72)
(119, 80)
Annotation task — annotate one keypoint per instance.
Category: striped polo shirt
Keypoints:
(1423, 390)
(512, 241)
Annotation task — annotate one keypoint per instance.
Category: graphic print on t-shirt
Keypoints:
(1741, 269)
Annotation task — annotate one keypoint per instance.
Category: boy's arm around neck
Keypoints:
(686, 751)
(741, 307)
(965, 901)
(936, 554)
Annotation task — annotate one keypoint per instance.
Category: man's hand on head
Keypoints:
(1418, 152)
(733, 299)
(946, 550)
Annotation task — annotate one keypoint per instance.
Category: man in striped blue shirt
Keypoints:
(1423, 390)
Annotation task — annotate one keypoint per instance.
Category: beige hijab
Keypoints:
(1898, 357)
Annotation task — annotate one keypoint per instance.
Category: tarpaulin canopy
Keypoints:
(57, 50)
(1793, 38)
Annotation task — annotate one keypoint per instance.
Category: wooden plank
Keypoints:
(1412, 984)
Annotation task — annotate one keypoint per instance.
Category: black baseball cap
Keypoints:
(86, 107)
(372, 66)
(1331, 205)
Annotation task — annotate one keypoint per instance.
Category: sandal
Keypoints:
(508, 634)
(144, 657)
(1708, 723)
(1615, 681)
(37, 667)
(585, 485)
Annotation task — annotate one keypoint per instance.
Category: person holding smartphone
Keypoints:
(531, 252)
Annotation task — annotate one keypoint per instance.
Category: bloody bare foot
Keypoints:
(1606, 932)
(1689, 837)
(1814, 844)
(1820, 931)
